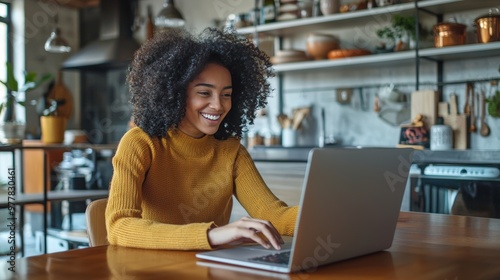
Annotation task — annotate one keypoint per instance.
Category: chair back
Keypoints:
(96, 222)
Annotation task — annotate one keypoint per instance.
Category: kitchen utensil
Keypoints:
(449, 34)
(289, 137)
(469, 88)
(485, 129)
(395, 114)
(61, 93)
(458, 123)
(318, 45)
(443, 109)
(284, 121)
(329, 7)
(291, 55)
(298, 116)
(425, 102)
(488, 26)
(391, 94)
(472, 127)
(376, 103)
(322, 131)
(341, 53)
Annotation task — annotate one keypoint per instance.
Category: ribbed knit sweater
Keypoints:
(167, 192)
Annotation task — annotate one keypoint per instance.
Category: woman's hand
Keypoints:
(246, 230)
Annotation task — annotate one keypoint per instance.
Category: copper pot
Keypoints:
(488, 27)
(449, 34)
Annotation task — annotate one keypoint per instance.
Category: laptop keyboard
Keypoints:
(276, 258)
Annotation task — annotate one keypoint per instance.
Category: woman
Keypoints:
(176, 172)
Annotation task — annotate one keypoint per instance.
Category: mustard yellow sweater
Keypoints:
(167, 192)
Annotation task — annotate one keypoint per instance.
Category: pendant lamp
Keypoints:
(169, 16)
(56, 43)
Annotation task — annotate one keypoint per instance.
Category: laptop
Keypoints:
(349, 207)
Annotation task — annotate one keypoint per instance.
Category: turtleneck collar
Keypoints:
(188, 145)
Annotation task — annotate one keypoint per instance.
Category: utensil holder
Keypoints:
(289, 137)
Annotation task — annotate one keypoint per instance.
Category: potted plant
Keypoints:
(494, 100)
(52, 124)
(11, 128)
(401, 31)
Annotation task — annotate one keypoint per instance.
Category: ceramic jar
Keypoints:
(329, 7)
(441, 137)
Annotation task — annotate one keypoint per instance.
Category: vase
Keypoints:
(11, 128)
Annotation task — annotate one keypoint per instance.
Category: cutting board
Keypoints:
(458, 123)
(61, 92)
(425, 102)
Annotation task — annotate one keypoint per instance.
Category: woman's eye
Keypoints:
(226, 95)
(203, 93)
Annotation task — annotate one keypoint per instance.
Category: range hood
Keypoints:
(116, 46)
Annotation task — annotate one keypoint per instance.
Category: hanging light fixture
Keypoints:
(56, 43)
(169, 16)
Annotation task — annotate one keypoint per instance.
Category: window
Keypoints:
(5, 43)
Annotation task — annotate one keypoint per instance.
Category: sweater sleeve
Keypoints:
(124, 221)
(254, 195)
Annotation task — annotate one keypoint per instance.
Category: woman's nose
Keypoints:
(215, 102)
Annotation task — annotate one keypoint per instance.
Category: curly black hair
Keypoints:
(164, 66)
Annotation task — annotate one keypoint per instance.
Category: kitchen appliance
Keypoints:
(488, 27)
(449, 34)
(106, 34)
(115, 46)
(462, 189)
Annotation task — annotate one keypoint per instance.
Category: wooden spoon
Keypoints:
(485, 129)
(467, 97)
(472, 127)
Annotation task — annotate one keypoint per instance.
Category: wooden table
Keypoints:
(426, 246)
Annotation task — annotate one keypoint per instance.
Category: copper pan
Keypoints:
(449, 34)
(488, 27)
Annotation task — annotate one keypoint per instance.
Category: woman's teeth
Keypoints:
(211, 117)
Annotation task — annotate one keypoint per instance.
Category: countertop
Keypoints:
(300, 154)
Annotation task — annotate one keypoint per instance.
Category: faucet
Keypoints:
(322, 132)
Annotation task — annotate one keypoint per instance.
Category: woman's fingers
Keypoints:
(265, 231)
(259, 231)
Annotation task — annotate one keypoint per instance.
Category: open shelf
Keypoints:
(462, 52)
(365, 16)
(395, 58)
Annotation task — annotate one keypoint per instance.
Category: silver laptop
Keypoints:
(349, 207)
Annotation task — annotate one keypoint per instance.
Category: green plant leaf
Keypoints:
(31, 82)
(11, 82)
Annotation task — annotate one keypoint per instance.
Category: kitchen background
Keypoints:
(101, 96)
(354, 123)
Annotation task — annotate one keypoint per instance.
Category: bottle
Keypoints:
(150, 27)
(268, 12)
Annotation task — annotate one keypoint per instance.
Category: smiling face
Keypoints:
(208, 101)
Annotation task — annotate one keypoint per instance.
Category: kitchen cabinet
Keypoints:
(436, 8)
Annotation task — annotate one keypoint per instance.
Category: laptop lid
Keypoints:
(350, 204)
(349, 207)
